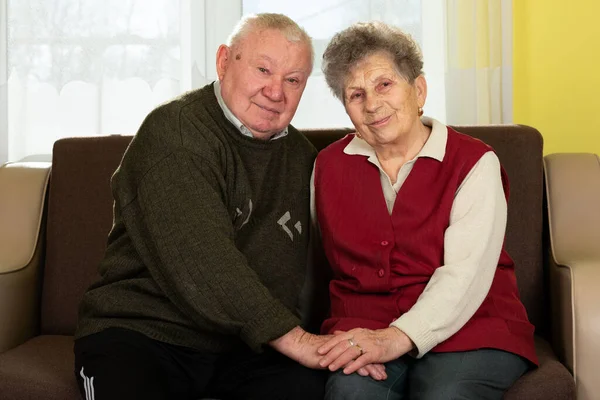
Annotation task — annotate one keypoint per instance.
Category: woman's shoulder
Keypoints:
(336, 147)
(466, 143)
(332, 154)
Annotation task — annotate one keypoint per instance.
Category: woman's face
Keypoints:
(382, 105)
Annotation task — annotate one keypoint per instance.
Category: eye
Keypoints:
(386, 84)
(263, 70)
(293, 80)
(356, 95)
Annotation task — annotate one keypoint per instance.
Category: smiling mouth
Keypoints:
(380, 122)
(267, 109)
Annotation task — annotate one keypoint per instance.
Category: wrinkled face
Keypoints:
(382, 105)
(262, 79)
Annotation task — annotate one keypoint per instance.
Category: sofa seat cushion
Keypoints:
(41, 368)
(550, 381)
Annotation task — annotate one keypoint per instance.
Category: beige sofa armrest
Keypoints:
(573, 191)
(22, 198)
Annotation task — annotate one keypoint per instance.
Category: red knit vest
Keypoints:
(381, 263)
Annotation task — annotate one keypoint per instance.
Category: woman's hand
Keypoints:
(360, 347)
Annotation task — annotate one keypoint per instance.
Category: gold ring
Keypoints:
(360, 349)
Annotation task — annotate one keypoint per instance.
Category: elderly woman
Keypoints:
(412, 216)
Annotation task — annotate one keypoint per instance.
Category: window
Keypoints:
(77, 67)
(83, 67)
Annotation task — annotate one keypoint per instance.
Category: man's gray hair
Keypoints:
(357, 42)
(290, 29)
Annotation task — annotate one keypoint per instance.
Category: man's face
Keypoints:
(262, 79)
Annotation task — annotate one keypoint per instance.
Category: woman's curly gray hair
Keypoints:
(353, 44)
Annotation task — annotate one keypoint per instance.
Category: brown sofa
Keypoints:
(53, 234)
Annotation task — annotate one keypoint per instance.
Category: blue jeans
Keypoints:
(480, 374)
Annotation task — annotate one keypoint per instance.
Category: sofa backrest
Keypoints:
(520, 150)
(79, 219)
(80, 214)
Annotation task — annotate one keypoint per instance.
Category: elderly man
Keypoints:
(206, 258)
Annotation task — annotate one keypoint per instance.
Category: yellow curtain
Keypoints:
(479, 61)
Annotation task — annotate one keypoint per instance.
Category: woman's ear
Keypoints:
(421, 90)
(223, 59)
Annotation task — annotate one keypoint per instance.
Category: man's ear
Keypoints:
(223, 60)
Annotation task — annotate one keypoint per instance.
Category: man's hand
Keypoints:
(301, 346)
(359, 347)
(375, 371)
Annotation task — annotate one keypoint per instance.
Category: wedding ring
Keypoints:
(360, 349)
(352, 344)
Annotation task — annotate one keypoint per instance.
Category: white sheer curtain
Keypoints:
(3, 82)
(78, 67)
(479, 61)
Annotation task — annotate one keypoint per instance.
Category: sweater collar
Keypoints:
(233, 119)
(435, 146)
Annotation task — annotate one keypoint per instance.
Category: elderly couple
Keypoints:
(213, 204)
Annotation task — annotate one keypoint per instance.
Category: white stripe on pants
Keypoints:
(88, 385)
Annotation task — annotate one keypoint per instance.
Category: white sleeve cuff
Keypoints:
(418, 331)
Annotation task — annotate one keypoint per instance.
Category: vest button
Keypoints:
(385, 243)
(381, 273)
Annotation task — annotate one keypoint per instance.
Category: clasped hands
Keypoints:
(358, 350)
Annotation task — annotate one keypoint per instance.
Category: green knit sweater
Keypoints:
(209, 243)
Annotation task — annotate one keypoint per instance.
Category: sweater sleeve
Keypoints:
(180, 225)
(472, 245)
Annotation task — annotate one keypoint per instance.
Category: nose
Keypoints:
(372, 103)
(274, 89)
